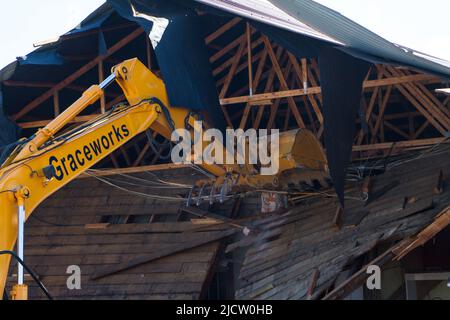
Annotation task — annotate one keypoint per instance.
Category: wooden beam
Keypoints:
(43, 85)
(79, 119)
(423, 110)
(313, 283)
(230, 61)
(346, 287)
(302, 74)
(273, 114)
(258, 77)
(317, 90)
(206, 214)
(369, 110)
(56, 104)
(269, 85)
(232, 70)
(143, 258)
(440, 223)
(433, 109)
(227, 26)
(284, 85)
(439, 187)
(429, 94)
(401, 144)
(240, 68)
(36, 102)
(227, 48)
(381, 112)
(396, 129)
(245, 116)
(125, 156)
(421, 129)
(270, 96)
(305, 73)
(141, 154)
(43, 123)
(338, 215)
(249, 60)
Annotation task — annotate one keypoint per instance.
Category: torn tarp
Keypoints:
(178, 40)
(42, 57)
(9, 131)
(341, 78)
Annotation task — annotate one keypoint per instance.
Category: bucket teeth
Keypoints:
(305, 180)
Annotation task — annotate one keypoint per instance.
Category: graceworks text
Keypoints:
(72, 162)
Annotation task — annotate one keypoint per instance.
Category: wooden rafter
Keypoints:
(284, 85)
(61, 85)
(279, 84)
(227, 26)
(317, 90)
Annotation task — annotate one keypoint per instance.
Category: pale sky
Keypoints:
(24, 22)
(418, 24)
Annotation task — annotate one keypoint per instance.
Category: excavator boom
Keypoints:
(46, 162)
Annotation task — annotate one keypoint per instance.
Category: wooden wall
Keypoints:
(140, 246)
(299, 254)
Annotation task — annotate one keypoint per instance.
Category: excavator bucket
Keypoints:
(303, 164)
(301, 149)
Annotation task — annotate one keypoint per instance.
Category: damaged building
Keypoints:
(131, 223)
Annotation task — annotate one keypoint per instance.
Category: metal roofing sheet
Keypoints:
(357, 38)
(266, 12)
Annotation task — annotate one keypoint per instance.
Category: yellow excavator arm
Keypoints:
(43, 164)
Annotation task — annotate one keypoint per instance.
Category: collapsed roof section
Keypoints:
(132, 243)
(359, 41)
(177, 31)
(265, 12)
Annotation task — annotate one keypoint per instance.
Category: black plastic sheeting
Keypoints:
(181, 53)
(299, 45)
(341, 78)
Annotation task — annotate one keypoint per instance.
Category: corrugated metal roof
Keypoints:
(266, 12)
(312, 19)
(359, 40)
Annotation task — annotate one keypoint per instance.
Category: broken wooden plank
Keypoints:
(206, 221)
(346, 287)
(140, 259)
(441, 222)
(367, 185)
(439, 188)
(36, 102)
(337, 221)
(313, 283)
(206, 214)
(96, 226)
